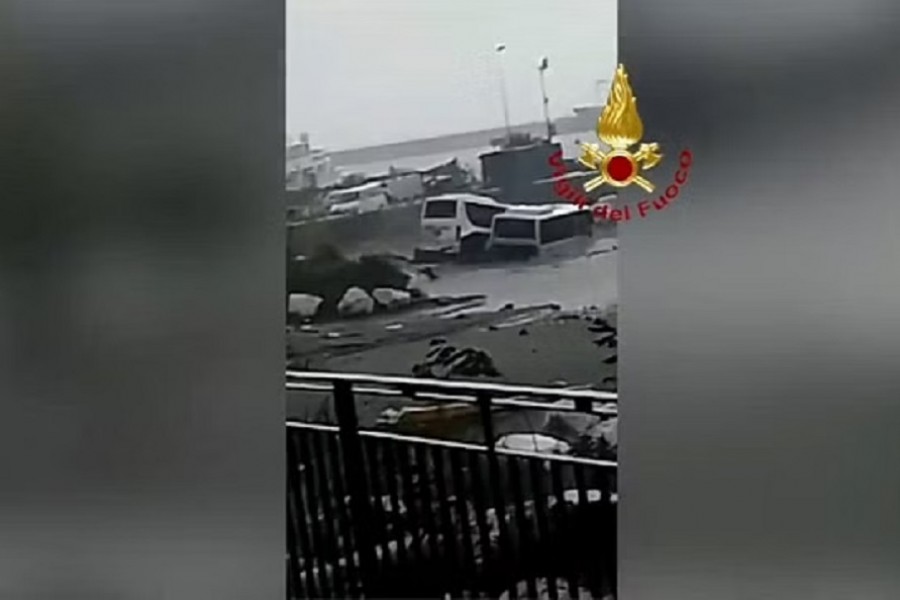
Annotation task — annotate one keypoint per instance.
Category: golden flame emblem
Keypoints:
(620, 127)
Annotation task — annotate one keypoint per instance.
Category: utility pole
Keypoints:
(542, 66)
(500, 49)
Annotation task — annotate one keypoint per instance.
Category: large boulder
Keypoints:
(304, 305)
(391, 298)
(355, 302)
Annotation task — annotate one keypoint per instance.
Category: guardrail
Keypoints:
(383, 514)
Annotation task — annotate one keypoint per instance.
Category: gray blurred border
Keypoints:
(760, 336)
(142, 300)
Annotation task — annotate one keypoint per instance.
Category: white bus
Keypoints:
(457, 224)
(523, 232)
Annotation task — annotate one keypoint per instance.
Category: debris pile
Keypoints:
(445, 360)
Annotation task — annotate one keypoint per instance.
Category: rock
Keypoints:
(354, 302)
(610, 341)
(304, 305)
(603, 327)
(508, 306)
(390, 298)
(523, 332)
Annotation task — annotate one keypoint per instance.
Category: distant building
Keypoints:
(307, 167)
(511, 171)
(586, 116)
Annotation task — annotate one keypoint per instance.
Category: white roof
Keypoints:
(466, 198)
(358, 188)
(541, 210)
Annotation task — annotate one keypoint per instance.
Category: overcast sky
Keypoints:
(367, 72)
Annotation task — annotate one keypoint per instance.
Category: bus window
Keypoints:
(440, 209)
(520, 229)
(559, 228)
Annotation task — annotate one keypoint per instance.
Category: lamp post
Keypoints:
(500, 49)
(542, 66)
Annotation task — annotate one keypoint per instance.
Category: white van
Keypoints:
(457, 224)
(364, 198)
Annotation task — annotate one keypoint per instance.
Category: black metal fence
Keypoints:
(382, 515)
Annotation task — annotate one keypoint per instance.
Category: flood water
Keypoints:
(572, 282)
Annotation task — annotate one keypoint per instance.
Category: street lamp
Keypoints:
(500, 49)
(542, 66)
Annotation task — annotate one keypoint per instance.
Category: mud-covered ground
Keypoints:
(532, 345)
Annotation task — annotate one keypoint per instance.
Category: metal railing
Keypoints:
(384, 514)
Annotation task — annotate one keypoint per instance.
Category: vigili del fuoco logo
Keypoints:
(620, 128)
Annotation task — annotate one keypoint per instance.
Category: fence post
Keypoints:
(487, 422)
(351, 447)
(295, 589)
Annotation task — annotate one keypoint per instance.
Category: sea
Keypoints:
(574, 282)
(467, 157)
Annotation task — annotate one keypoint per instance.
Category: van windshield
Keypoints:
(440, 209)
(480, 215)
(519, 229)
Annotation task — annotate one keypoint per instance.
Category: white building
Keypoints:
(308, 167)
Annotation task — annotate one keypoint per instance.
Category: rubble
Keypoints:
(444, 360)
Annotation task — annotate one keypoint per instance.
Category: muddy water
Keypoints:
(573, 282)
